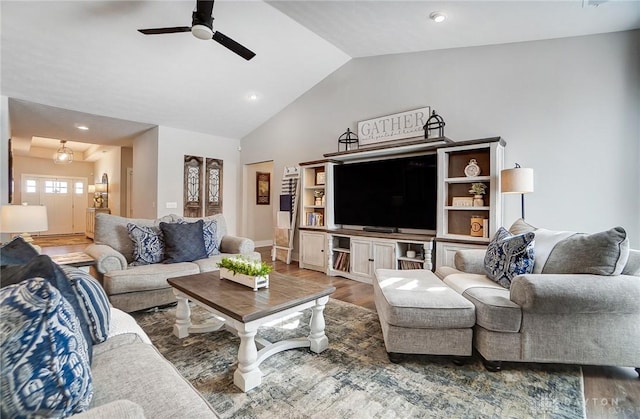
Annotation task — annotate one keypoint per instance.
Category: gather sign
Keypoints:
(393, 127)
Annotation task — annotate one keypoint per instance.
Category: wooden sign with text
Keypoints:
(393, 127)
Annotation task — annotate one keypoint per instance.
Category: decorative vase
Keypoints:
(254, 282)
(478, 201)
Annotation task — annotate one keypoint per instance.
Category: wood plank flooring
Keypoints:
(610, 392)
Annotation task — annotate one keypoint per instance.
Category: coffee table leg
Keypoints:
(317, 338)
(183, 317)
(248, 374)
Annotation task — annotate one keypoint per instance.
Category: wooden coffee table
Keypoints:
(244, 311)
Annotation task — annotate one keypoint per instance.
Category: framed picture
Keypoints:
(462, 201)
(320, 178)
(263, 188)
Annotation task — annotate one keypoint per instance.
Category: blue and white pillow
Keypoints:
(94, 303)
(44, 366)
(148, 244)
(209, 232)
(509, 256)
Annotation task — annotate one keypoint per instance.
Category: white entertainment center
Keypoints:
(352, 252)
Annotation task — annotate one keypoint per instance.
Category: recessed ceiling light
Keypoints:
(83, 127)
(438, 17)
(252, 97)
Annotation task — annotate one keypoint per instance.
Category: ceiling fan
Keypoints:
(202, 28)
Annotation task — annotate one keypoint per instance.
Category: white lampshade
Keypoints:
(23, 218)
(516, 180)
(101, 187)
(91, 188)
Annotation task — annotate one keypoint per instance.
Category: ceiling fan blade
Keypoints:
(225, 41)
(160, 31)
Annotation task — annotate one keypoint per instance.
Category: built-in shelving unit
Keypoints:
(455, 222)
(316, 195)
(356, 254)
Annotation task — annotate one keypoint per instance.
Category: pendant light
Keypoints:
(64, 155)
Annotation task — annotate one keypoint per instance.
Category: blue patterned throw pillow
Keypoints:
(148, 244)
(209, 233)
(45, 361)
(509, 256)
(94, 303)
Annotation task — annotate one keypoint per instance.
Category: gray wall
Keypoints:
(568, 108)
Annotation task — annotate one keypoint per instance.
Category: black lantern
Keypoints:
(348, 138)
(435, 122)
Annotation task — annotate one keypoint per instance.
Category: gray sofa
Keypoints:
(576, 318)
(131, 379)
(131, 288)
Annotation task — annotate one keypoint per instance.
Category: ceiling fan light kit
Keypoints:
(202, 32)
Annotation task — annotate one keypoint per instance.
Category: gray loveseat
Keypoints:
(131, 379)
(131, 288)
(589, 318)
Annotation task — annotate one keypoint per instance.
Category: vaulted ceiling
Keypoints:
(66, 63)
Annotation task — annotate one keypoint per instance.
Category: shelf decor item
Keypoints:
(477, 226)
(462, 201)
(472, 169)
(319, 197)
(349, 139)
(517, 180)
(478, 189)
(253, 274)
(434, 123)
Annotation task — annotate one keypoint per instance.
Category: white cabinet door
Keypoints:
(361, 257)
(368, 255)
(384, 256)
(312, 249)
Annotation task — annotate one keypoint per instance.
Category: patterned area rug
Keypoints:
(354, 378)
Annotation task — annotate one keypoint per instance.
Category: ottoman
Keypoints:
(420, 314)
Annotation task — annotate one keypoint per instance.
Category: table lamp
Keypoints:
(517, 180)
(23, 219)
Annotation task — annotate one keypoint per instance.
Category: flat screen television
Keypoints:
(397, 193)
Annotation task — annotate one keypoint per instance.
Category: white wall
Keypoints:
(145, 175)
(568, 108)
(258, 220)
(173, 145)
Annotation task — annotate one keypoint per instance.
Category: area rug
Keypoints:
(353, 378)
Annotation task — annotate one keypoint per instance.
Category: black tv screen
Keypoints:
(398, 193)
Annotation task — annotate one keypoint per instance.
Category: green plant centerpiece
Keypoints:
(478, 189)
(240, 265)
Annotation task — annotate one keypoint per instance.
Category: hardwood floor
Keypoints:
(610, 392)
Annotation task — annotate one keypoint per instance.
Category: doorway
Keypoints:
(64, 197)
(258, 216)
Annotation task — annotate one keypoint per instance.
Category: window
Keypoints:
(79, 188)
(56, 187)
(31, 186)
